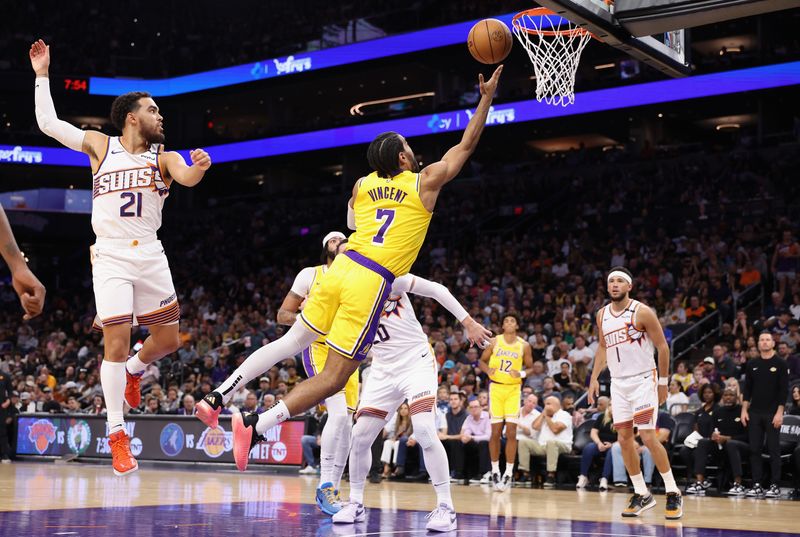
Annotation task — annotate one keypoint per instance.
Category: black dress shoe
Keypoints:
(421, 477)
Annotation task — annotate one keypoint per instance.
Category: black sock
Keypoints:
(214, 399)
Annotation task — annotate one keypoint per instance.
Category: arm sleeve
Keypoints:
(48, 121)
(302, 283)
(351, 218)
(438, 292)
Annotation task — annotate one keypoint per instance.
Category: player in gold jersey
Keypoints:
(390, 211)
(507, 361)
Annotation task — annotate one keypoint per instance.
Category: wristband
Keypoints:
(522, 374)
(663, 381)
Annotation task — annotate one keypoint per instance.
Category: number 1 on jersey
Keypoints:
(388, 214)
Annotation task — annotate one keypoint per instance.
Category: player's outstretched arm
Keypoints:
(90, 142)
(477, 334)
(30, 290)
(647, 317)
(186, 175)
(599, 364)
(436, 175)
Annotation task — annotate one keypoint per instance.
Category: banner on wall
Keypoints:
(159, 438)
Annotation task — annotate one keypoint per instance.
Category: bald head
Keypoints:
(553, 404)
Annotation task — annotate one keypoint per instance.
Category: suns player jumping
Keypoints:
(131, 179)
(390, 211)
(629, 331)
(335, 439)
(507, 361)
(404, 368)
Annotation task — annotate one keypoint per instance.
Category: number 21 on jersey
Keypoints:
(135, 201)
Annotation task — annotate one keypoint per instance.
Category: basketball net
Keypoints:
(554, 45)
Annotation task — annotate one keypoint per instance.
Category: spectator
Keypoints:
(766, 388)
(785, 261)
(581, 358)
(48, 404)
(395, 429)
(555, 361)
(723, 363)
(675, 314)
(72, 406)
(536, 378)
(710, 372)
(151, 405)
(172, 403)
(555, 436)
(263, 387)
(26, 404)
(250, 403)
(794, 407)
(603, 435)
(98, 406)
(187, 407)
(483, 399)
(682, 375)
(695, 311)
(549, 387)
(527, 436)
(677, 401)
(475, 434)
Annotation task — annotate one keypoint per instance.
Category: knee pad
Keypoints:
(424, 429)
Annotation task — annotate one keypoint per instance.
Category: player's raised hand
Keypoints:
(489, 87)
(477, 334)
(40, 57)
(200, 158)
(30, 290)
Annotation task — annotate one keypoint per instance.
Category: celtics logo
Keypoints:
(79, 436)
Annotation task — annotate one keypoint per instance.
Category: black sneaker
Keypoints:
(674, 508)
(638, 504)
(795, 494)
(737, 490)
(773, 491)
(695, 488)
(375, 477)
(755, 491)
(549, 483)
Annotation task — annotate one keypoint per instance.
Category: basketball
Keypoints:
(489, 41)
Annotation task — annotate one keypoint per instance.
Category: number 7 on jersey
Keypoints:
(380, 214)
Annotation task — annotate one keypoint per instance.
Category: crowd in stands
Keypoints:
(693, 251)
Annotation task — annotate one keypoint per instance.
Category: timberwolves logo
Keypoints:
(215, 442)
(42, 433)
(171, 439)
(278, 451)
(79, 436)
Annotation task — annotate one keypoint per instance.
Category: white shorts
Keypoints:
(414, 381)
(131, 277)
(634, 401)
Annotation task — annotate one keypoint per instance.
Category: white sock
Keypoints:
(495, 467)
(509, 469)
(669, 481)
(277, 413)
(342, 453)
(327, 452)
(135, 365)
(639, 486)
(363, 435)
(293, 342)
(112, 379)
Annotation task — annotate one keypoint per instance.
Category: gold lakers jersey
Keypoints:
(391, 222)
(506, 357)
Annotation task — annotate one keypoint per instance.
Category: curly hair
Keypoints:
(122, 105)
(383, 152)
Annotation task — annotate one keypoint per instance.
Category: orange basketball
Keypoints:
(489, 41)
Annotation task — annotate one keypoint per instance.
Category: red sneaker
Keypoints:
(133, 390)
(122, 459)
(245, 437)
(206, 413)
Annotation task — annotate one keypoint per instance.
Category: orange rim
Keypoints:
(543, 12)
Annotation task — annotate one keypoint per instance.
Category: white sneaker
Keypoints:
(495, 481)
(603, 484)
(443, 518)
(308, 470)
(6, 461)
(582, 482)
(351, 513)
(487, 478)
(505, 482)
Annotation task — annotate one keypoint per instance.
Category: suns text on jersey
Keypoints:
(616, 337)
(124, 180)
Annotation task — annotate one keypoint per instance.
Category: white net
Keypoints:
(554, 45)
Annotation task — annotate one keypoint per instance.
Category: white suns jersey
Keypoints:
(128, 193)
(628, 350)
(399, 339)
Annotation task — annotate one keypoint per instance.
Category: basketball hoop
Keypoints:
(554, 45)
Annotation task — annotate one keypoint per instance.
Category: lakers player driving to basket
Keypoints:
(628, 332)
(507, 361)
(132, 175)
(390, 211)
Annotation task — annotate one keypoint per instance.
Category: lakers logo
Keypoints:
(215, 442)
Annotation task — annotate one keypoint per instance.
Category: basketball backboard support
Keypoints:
(667, 52)
(625, 24)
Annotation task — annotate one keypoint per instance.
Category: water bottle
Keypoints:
(719, 446)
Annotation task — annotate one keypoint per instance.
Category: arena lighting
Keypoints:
(299, 62)
(604, 66)
(356, 108)
(728, 126)
(664, 91)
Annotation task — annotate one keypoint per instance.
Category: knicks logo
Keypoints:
(125, 180)
(42, 433)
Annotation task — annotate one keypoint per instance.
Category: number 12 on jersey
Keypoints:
(380, 214)
(505, 365)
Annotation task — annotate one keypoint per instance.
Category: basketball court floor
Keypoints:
(79, 499)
